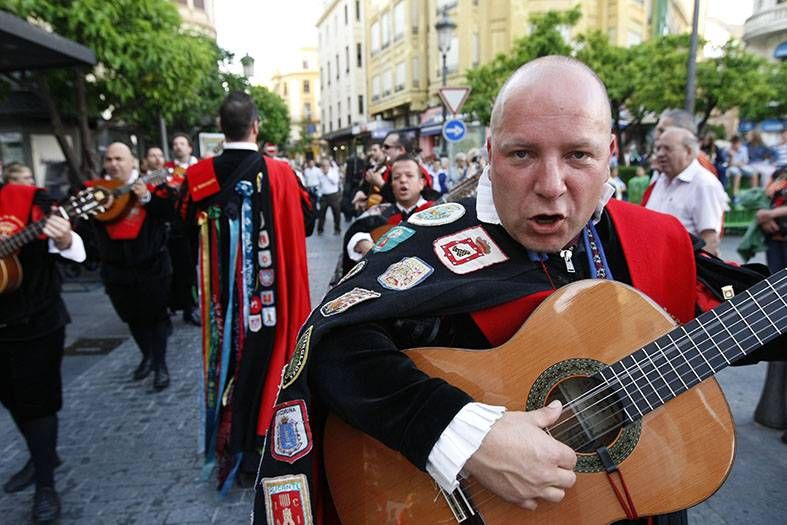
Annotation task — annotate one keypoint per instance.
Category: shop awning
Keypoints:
(24, 46)
(781, 51)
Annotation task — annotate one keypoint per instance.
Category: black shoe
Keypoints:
(160, 378)
(46, 505)
(144, 369)
(24, 478)
(191, 316)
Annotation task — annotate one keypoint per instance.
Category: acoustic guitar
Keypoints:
(123, 198)
(656, 413)
(84, 204)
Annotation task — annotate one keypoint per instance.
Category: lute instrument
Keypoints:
(638, 399)
(84, 204)
(123, 199)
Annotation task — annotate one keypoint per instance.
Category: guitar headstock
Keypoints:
(88, 202)
(157, 177)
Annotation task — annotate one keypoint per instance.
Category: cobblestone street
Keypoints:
(131, 454)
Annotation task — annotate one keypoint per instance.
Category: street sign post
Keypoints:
(454, 97)
(454, 130)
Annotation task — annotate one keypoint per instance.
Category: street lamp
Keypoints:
(445, 33)
(248, 66)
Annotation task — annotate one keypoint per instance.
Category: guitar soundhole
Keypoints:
(592, 416)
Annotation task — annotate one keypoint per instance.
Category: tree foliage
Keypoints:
(274, 115)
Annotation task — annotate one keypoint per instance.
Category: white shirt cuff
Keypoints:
(75, 252)
(354, 240)
(460, 439)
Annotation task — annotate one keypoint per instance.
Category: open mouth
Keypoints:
(547, 219)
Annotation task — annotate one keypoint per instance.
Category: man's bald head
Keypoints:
(119, 161)
(555, 73)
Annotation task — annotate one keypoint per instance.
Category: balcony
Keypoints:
(766, 22)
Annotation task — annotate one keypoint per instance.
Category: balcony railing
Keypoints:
(766, 22)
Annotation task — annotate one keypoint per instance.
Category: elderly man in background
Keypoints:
(685, 189)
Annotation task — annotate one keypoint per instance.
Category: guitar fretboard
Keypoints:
(691, 353)
(12, 244)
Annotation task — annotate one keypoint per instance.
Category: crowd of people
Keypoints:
(420, 265)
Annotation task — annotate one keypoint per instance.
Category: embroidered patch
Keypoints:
(346, 300)
(255, 305)
(264, 258)
(438, 215)
(255, 322)
(298, 359)
(405, 274)
(353, 271)
(269, 316)
(263, 240)
(292, 436)
(267, 297)
(287, 500)
(468, 250)
(392, 238)
(266, 277)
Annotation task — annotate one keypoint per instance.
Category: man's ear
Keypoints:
(613, 145)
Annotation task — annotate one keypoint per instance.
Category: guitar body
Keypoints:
(10, 274)
(682, 451)
(121, 205)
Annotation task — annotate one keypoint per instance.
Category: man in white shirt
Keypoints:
(685, 189)
(330, 196)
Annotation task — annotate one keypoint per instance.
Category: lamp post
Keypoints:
(445, 33)
(248, 66)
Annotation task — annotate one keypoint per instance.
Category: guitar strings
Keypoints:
(471, 483)
(665, 359)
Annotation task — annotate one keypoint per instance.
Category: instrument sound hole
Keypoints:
(592, 415)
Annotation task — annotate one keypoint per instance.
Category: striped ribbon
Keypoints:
(226, 343)
(245, 189)
(599, 269)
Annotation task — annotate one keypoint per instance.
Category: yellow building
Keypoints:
(198, 15)
(404, 64)
(300, 89)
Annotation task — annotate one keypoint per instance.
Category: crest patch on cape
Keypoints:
(269, 316)
(263, 240)
(346, 300)
(353, 271)
(298, 359)
(438, 215)
(292, 436)
(267, 277)
(287, 499)
(468, 250)
(264, 258)
(267, 297)
(392, 238)
(405, 274)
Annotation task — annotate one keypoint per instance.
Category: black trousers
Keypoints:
(334, 202)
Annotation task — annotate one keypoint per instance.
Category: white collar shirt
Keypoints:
(695, 197)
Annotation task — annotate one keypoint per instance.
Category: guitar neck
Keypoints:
(154, 177)
(13, 243)
(691, 353)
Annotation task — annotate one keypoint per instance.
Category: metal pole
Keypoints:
(691, 79)
(444, 151)
(164, 140)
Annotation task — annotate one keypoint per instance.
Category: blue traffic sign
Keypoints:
(454, 130)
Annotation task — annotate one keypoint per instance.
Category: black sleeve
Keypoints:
(162, 203)
(363, 377)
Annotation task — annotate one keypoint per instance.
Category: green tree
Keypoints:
(737, 78)
(274, 115)
(148, 66)
(544, 39)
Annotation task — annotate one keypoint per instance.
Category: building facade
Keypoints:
(342, 75)
(198, 15)
(300, 89)
(765, 31)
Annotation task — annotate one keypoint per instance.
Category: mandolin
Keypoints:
(637, 392)
(123, 197)
(84, 204)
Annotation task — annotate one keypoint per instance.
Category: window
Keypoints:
(306, 86)
(415, 16)
(401, 76)
(338, 115)
(199, 4)
(337, 66)
(416, 72)
(476, 43)
(386, 29)
(346, 15)
(349, 111)
(357, 10)
(329, 73)
(285, 88)
(376, 87)
(359, 55)
(360, 105)
(330, 118)
(307, 111)
(387, 82)
(305, 64)
(398, 20)
(347, 59)
(375, 37)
